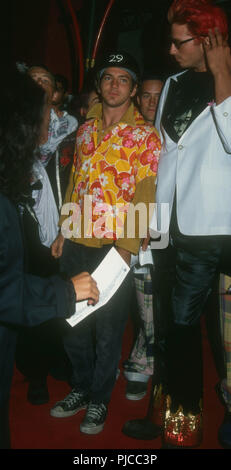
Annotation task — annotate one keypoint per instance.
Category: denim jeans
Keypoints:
(94, 345)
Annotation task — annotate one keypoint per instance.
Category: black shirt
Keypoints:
(187, 97)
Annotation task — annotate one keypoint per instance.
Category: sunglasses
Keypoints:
(178, 43)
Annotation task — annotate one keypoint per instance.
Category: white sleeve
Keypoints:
(45, 209)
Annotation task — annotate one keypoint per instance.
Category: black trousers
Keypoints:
(40, 351)
(94, 345)
(190, 272)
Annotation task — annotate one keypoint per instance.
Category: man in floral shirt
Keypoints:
(115, 164)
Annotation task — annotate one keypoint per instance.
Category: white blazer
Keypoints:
(199, 167)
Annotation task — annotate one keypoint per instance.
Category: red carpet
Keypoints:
(33, 428)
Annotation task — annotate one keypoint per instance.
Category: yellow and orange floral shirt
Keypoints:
(114, 166)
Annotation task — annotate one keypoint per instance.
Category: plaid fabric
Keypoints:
(141, 358)
(225, 318)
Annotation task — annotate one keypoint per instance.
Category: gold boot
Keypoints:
(182, 430)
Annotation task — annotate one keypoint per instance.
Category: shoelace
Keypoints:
(95, 411)
(72, 397)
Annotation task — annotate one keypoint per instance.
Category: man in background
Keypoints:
(139, 367)
(148, 96)
(61, 97)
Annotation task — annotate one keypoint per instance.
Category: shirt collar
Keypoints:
(128, 117)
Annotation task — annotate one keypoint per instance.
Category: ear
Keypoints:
(207, 41)
(133, 91)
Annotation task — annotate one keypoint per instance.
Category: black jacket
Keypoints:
(25, 300)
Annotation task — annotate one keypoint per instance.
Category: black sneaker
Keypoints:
(94, 419)
(141, 429)
(136, 390)
(70, 405)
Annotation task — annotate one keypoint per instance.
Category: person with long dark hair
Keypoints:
(24, 299)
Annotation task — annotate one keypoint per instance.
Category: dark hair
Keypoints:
(40, 66)
(44, 67)
(81, 100)
(61, 79)
(150, 75)
(22, 104)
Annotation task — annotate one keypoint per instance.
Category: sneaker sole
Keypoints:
(136, 397)
(66, 414)
(91, 430)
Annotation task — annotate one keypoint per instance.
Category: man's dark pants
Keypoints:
(190, 271)
(94, 345)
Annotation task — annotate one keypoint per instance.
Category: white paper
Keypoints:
(145, 257)
(140, 264)
(109, 276)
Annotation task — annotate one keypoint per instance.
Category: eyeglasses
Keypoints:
(178, 43)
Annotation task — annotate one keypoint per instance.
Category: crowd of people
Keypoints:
(128, 140)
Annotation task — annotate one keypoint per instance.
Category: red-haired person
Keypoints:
(194, 121)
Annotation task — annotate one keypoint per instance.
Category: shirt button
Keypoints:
(180, 147)
(225, 114)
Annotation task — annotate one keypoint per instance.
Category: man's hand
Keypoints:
(126, 255)
(85, 288)
(218, 57)
(57, 246)
(217, 52)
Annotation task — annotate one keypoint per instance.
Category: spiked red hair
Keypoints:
(199, 15)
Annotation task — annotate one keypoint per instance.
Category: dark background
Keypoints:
(41, 32)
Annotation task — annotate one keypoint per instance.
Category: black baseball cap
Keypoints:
(120, 59)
